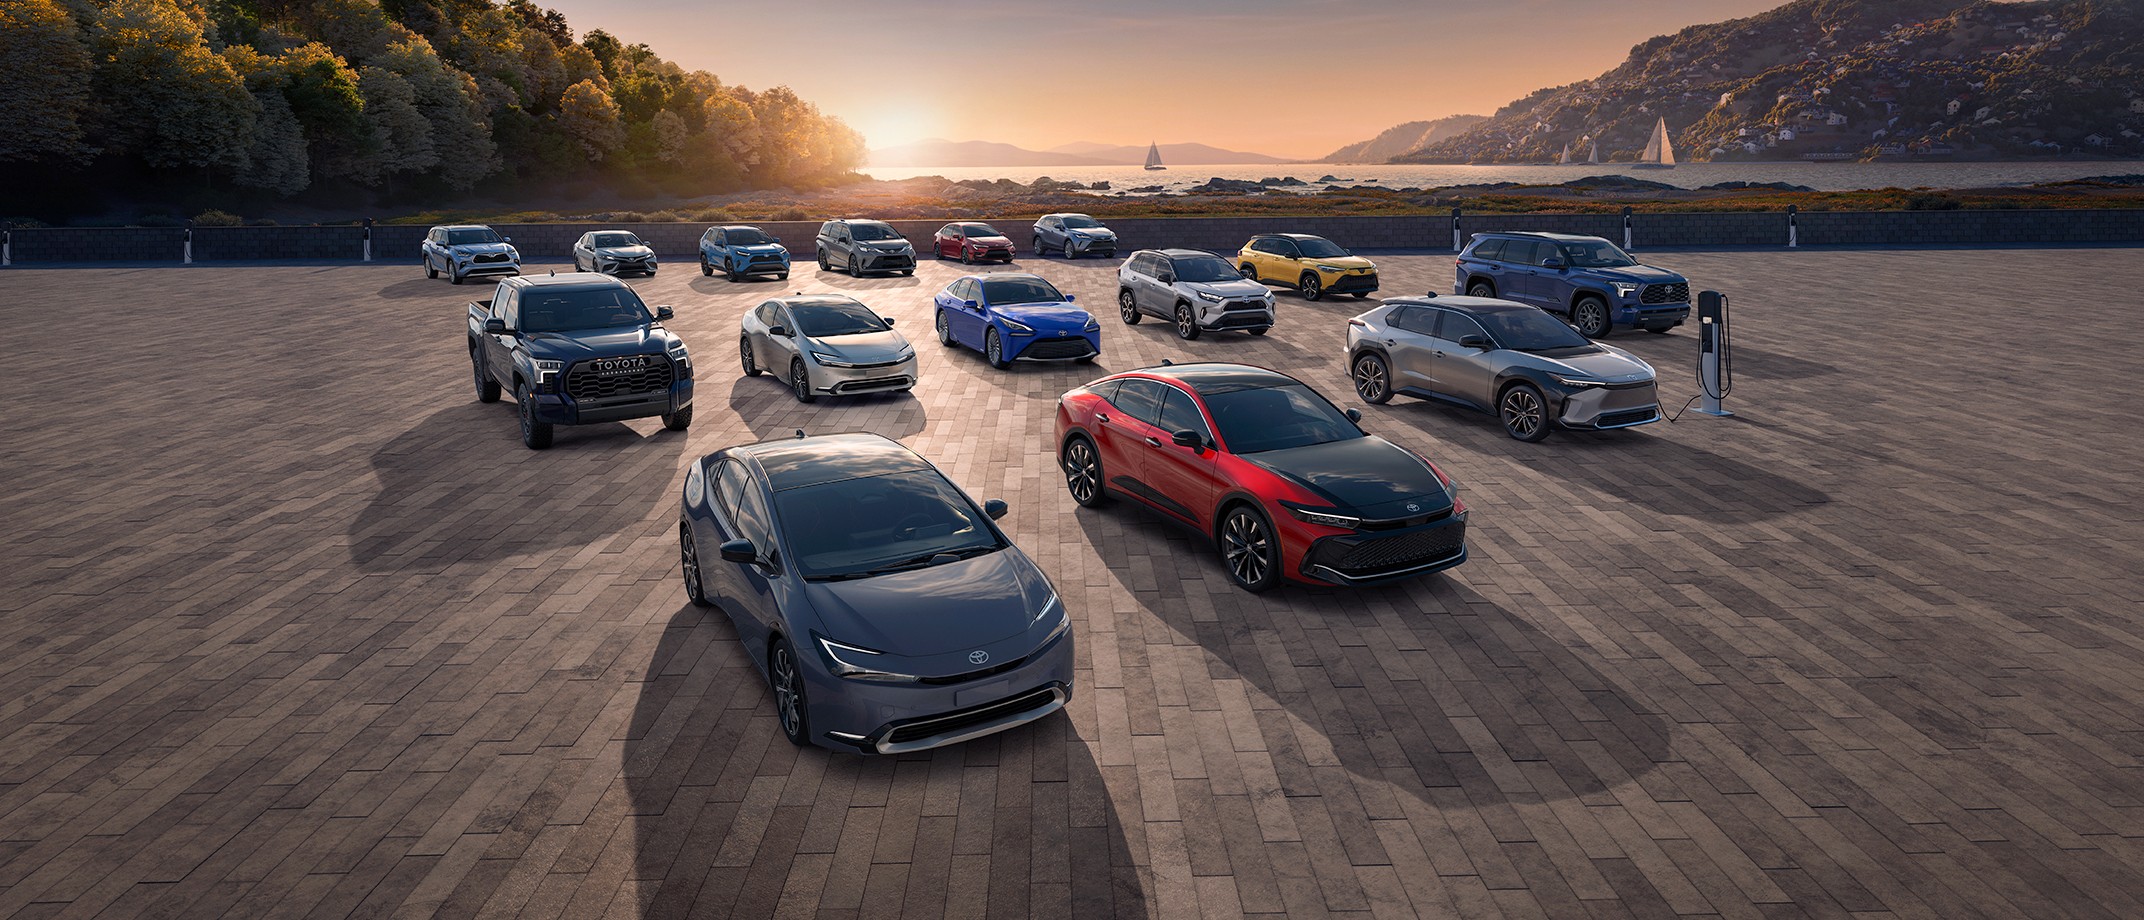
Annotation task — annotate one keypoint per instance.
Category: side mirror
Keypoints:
(740, 551)
(1554, 265)
(969, 304)
(1166, 278)
(1189, 438)
(1071, 297)
(888, 319)
(778, 330)
(1473, 341)
(494, 326)
(995, 508)
(1353, 415)
(664, 313)
(506, 239)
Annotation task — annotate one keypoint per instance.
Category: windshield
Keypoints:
(1596, 254)
(745, 236)
(563, 311)
(472, 237)
(1277, 418)
(1081, 222)
(608, 240)
(830, 318)
(1315, 248)
(1004, 292)
(1530, 330)
(873, 232)
(978, 230)
(1207, 269)
(887, 523)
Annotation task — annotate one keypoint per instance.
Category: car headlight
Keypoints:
(1054, 606)
(550, 367)
(1017, 328)
(1576, 382)
(855, 663)
(1624, 288)
(677, 352)
(904, 354)
(1093, 325)
(1328, 518)
(1211, 297)
(1335, 269)
(513, 253)
(827, 360)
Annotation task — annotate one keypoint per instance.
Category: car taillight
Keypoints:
(1357, 322)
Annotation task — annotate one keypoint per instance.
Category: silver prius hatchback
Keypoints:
(884, 606)
(825, 345)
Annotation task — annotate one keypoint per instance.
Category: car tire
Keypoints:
(1250, 550)
(1128, 307)
(1523, 412)
(945, 328)
(1082, 466)
(994, 350)
(1359, 295)
(454, 276)
(1070, 253)
(823, 265)
(856, 269)
(785, 678)
(1250, 272)
(1259, 330)
(1590, 316)
(908, 273)
(487, 389)
(1481, 289)
(965, 259)
(1036, 244)
(782, 277)
(1312, 288)
(429, 271)
(1660, 330)
(1372, 378)
(535, 435)
(744, 356)
(729, 272)
(1187, 326)
(679, 420)
(688, 555)
(800, 382)
(706, 270)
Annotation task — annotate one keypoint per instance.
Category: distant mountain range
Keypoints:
(1404, 139)
(954, 154)
(1850, 79)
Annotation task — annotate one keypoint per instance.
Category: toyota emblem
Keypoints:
(978, 656)
(1411, 506)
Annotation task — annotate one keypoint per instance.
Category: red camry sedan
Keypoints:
(972, 242)
(1283, 482)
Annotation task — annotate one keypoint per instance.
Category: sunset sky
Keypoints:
(1292, 78)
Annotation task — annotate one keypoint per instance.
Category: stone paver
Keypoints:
(291, 625)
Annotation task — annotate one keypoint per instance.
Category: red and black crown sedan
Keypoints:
(970, 241)
(1283, 482)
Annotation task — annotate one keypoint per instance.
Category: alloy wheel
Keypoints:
(1591, 317)
(1312, 289)
(1481, 289)
(800, 381)
(744, 356)
(994, 349)
(783, 674)
(1247, 548)
(1371, 382)
(1521, 411)
(689, 562)
(1128, 308)
(1186, 327)
(1083, 473)
(945, 329)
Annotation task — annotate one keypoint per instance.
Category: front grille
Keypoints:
(1626, 417)
(769, 257)
(1348, 284)
(878, 383)
(1241, 305)
(1368, 558)
(974, 675)
(1236, 320)
(1678, 292)
(585, 381)
(1058, 348)
(492, 257)
(1416, 521)
(954, 721)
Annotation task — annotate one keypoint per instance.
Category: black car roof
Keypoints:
(816, 298)
(1539, 235)
(1185, 253)
(1286, 236)
(793, 463)
(1209, 379)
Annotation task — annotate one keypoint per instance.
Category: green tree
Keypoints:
(44, 82)
(403, 133)
(276, 160)
(170, 100)
(589, 116)
(732, 126)
(449, 101)
(323, 94)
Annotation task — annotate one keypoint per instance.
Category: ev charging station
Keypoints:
(1715, 354)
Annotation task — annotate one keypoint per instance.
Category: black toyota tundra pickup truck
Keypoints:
(575, 350)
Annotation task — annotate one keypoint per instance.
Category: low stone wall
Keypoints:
(679, 241)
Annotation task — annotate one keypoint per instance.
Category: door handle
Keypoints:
(1153, 442)
(1101, 418)
(1437, 354)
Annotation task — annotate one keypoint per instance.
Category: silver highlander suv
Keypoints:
(1193, 288)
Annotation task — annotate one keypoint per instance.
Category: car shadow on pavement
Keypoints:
(459, 486)
(770, 410)
(1676, 353)
(420, 286)
(731, 820)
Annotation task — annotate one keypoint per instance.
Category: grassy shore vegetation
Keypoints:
(116, 110)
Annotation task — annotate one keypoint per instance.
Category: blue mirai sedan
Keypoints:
(884, 606)
(1014, 316)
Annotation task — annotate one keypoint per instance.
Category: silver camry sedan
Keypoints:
(1529, 369)
(825, 345)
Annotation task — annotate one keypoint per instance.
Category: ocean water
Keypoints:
(1821, 176)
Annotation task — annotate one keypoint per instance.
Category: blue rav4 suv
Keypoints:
(1591, 281)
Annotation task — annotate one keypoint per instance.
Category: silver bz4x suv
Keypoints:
(1527, 367)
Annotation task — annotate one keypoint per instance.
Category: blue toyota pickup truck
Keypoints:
(575, 350)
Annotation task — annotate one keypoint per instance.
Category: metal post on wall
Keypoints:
(7, 248)
(189, 242)
(368, 239)
(1626, 227)
(1455, 231)
(1793, 232)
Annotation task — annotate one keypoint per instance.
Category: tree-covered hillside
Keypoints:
(110, 105)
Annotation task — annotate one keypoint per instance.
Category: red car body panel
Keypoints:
(950, 241)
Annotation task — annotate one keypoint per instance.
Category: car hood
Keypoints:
(1369, 475)
(1045, 316)
(759, 247)
(580, 344)
(1610, 364)
(1097, 232)
(1344, 262)
(863, 348)
(624, 252)
(1640, 274)
(480, 248)
(1238, 289)
(945, 608)
(990, 240)
(881, 244)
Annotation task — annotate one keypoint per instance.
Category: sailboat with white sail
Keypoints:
(1659, 153)
(1593, 155)
(1153, 156)
(1564, 158)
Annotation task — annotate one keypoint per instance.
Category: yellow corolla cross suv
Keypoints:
(1313, 265)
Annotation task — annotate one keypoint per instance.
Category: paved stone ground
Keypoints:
(291, 625)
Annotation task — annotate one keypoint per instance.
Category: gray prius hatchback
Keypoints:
(884, 606)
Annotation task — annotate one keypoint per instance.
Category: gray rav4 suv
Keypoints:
(1194, 289)
(865, 246)
(1532, 371)
(1588, 279)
